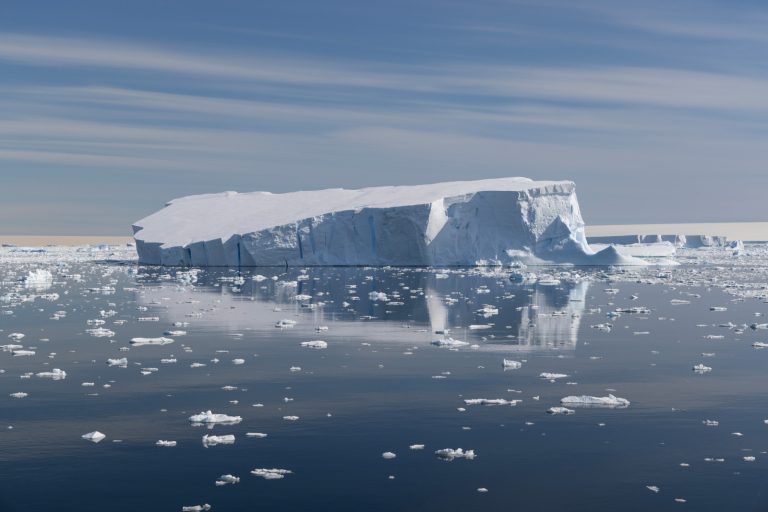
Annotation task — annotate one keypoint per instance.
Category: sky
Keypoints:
(658, 110)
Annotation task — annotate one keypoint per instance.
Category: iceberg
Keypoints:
(464, 223)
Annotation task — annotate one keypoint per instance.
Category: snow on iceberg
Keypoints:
(484, 222)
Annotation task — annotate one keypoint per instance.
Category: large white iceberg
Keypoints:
(497, 222)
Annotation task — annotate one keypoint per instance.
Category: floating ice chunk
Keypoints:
(509, 364)
(22, 353)
(257, 435)
(449, 342)
(760, 344)
(490, 401)
(196, 508)
(100, 332)
(138, 342)
(94, 436)
(552, 376)
(749, 458)
(227, 479)
(711, 423)
(214, 440)
(271, 474)
(594, 401)
(168, 361)
(458, 453)
(16, 336)
(38, 278)
(238, 361)
(316, 344)
(560, 410)
(54, 374)
(700, 368)
(652, 488)
(19, 394)
(482, 490)
(213, 418)
(168, 444)
(291, 418)
(122, 362)
(285, 323)
(388, 455)
(718, 308)
(416, 447)
(198, 365)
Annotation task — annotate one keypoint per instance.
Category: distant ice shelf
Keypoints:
(465, 223)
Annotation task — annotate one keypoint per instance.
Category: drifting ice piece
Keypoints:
(595, 401)
(211, 417)
(483, 222)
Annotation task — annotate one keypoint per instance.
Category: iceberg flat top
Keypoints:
(214, 216)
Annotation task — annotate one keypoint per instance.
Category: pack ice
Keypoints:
(484, 222)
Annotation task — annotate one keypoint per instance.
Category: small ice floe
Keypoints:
(718, 308)
(22, 353)
(54, 374)
(168, 360)
(196, 508)
(19, 394)
(700, 368)
(479, 327)
(214, 440)
(167, 444)
(595, 401)
(552, 376)
(711, 423)
(198, 365)
(139, 342)
(271, 474)
(760, 344)
(482, 490)
(316, 344)
(458, 453)
(749, 458)
(388, 455)
(491, 401)
(652, 488)
(38, 278)
(285, 323)
(175, 333)
(680, 500)
(238, 361)
(449, 342)
(100, 332)
(291, 418)
(416, 447)
(16, 336)
(94, 436)
(560, 410)
(208, 417)
(509, 364)
(227, 479)
(295, 368)
(257, 435)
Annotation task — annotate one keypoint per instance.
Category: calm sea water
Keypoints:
(380, 386)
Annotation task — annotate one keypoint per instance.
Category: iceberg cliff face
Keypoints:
(484, 222)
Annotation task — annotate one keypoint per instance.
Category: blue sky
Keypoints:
(657, 110)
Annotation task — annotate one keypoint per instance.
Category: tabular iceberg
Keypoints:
(464, 223)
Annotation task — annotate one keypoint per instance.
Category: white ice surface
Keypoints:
(483, 222)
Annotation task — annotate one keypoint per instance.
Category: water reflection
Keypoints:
(413, 306)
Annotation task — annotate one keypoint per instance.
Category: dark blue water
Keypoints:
(374, 390)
